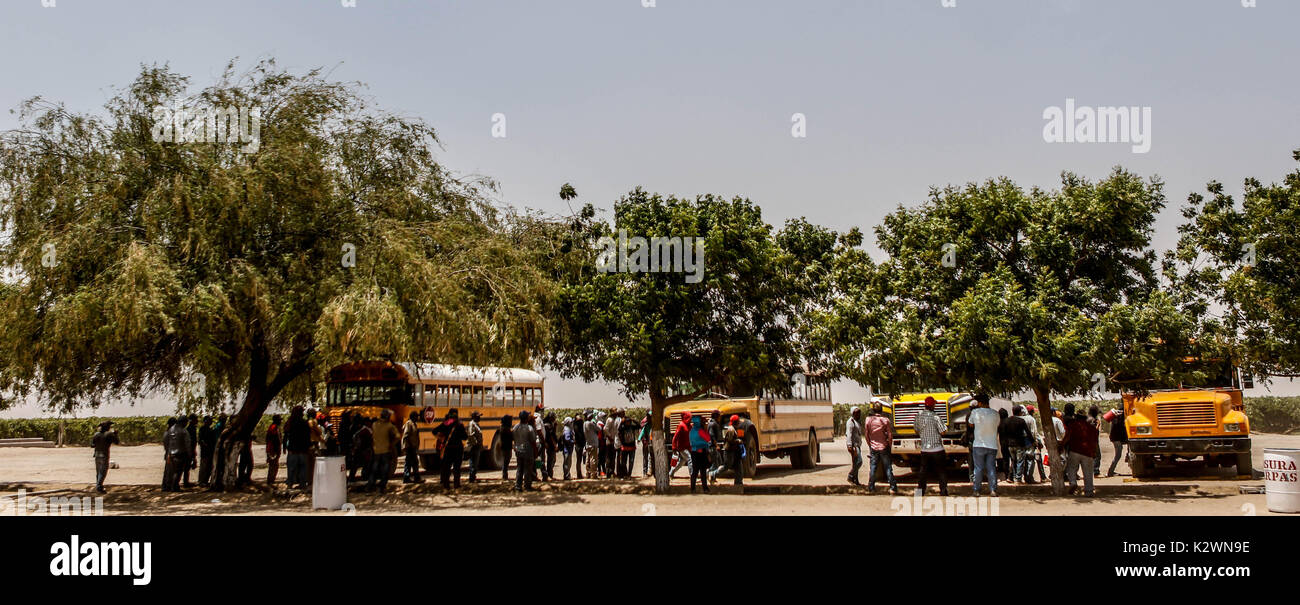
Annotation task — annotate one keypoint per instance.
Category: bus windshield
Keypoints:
(370, 393)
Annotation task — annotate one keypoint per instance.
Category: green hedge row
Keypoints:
(131, 430)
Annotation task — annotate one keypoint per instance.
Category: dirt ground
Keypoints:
(1190, 489)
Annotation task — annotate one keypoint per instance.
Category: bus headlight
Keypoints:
(1232, 427)
(1144, 430)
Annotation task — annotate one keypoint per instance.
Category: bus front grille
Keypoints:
(905, 415)
(1186, 413)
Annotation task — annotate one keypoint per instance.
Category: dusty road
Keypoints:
(1190, 490)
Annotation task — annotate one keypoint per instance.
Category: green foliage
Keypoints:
(1238, 268)
(183, 260)
(990, 287)
(656, 333)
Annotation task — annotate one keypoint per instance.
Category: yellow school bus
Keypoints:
(791, 426)
(1205, 420)
(367, 387)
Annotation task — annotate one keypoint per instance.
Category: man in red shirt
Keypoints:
(1081, 441)
(682, 444)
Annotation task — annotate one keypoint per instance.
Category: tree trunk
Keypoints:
(657, 405)
(1043, 395)
(239, 430)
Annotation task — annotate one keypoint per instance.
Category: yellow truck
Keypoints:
(793, 426)
(1188, 423)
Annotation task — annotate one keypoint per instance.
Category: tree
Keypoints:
(995, 289)
(674, 335)
(1238, 270)
(329, 233)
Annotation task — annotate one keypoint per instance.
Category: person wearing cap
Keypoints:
(386, 440)
(506, 443)
(1037, 448)
(567, 444)
(207, 447)
(735, 449)
(682, 444)
(474, 444)
(853, 441)
(176, 447)
(647, 447)
(273, 447)
(934, 460)
(451, 433)
(550, 446)
(1015, 432)
(411, 449)
(297, 442)
(984, 446)
(1118, 438)
(880, 438)
(192, 457)
(591, 445)
(525, 438)
(102, 441)
(579, 443)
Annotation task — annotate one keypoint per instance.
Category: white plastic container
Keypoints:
(329, 488)
(1282, 479)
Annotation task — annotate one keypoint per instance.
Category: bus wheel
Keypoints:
(1141, 466)
(494, 455)
(808, 453)
(751, 456)
(1244, 466)
(430, 463)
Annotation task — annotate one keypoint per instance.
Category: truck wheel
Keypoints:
(1244, 466)
(1141, 466)
(751, 456)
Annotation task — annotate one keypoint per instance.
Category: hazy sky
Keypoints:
(695, 96)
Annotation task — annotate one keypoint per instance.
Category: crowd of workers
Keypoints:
(1003, 445)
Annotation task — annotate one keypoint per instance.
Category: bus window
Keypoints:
(478, 396)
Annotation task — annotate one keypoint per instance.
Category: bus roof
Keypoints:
(442, 372)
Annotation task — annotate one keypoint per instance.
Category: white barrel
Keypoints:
(1282, 479)
(329, 488)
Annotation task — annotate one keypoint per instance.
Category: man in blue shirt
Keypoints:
(984, 448)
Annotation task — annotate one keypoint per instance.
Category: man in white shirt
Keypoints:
(984, 448)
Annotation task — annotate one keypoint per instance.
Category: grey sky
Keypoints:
(696, 96)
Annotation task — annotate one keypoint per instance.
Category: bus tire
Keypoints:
(1244, 466)
(1141, 466)
(494, 458)
(430, 463)
(796, 456)
(808, 453)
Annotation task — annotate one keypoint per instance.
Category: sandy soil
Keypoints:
(1190, 489)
